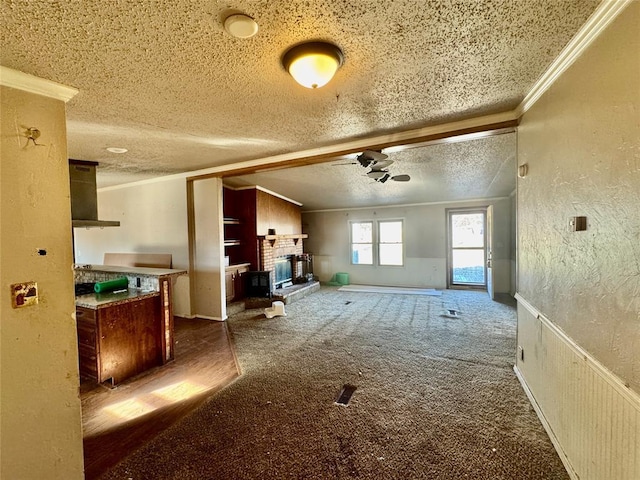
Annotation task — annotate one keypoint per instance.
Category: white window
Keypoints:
(386, 245)
(362, 243)
(390, 247)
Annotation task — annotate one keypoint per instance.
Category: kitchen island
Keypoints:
(126, 332)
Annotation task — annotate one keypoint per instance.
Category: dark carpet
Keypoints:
(436, 397)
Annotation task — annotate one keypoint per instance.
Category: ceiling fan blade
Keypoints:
(380, 166)
(401, 178)
(373, 155)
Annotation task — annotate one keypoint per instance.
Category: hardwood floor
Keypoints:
(118, 421)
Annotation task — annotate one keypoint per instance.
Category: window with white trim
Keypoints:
(362, 243)
(390, 245)
(385, 243)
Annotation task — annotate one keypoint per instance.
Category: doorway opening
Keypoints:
(467, 248)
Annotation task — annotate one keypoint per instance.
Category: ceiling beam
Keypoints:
(464, 130)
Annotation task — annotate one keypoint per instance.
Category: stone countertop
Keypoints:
(142, 271)
(103, 300)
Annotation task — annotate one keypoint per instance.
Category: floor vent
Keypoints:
(345, 394)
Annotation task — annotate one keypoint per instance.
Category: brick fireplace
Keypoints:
(279, 248)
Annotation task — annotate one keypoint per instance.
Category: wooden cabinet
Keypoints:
(88, 347)
(229, 285)
(273, 213)
(119, 341)
(252, 213)
(234, 253)
(234, 278)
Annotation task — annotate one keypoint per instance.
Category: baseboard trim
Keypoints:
(552, 436)
(207, 317)
(612, 379)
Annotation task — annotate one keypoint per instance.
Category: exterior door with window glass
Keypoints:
(467, 248)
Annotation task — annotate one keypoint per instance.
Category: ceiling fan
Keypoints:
(379, 164)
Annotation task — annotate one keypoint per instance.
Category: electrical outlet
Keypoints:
(24, 294)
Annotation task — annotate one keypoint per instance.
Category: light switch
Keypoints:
(24, 294)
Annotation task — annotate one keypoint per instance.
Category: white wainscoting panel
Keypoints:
(593, 419)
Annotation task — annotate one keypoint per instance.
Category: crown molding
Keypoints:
(265, 190)
(485, 200)
(606, 12)
(32, 84)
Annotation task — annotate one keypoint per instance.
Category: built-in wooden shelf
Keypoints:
(231, 242)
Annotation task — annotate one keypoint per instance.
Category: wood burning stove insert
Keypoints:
(259, 284)
(283, 268)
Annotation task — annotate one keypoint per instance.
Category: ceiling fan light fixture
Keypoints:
(313, 64)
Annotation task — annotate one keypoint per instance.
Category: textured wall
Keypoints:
(425, 244)
(153, 219)
(514, 244)
(39, 406)
(582, 144)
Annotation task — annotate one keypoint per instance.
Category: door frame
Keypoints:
(449, 260)
(488, 256)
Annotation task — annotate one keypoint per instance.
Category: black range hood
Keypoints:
(84, 197)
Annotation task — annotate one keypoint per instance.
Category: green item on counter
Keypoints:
(110, 285)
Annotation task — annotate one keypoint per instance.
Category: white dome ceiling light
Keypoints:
(117, 150)
(313, 64)
(240, 26)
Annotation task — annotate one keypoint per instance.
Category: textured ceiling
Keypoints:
(163, 78)
(482, 168)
